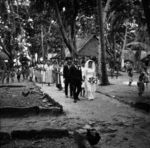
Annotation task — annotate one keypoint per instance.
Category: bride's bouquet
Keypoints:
(92, 80)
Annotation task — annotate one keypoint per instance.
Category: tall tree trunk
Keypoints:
(114, 46)
(12, 33)
(97, 22)
(69, 43)
(106, 10)
(104, 76)
(123, 48)
(42, 46)
(73, 26)
(73, 37)
(146, 6)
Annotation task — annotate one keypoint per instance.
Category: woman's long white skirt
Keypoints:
(90, 90)
(43, 76)
(62, 81)
(48, 76)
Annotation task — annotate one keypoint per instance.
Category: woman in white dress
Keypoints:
(43, 72)
(90, 80)
(48, 75)
(61, 75)
(83, 79)
(39, 76)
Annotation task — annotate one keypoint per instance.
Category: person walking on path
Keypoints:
(76, 80)
(83, 79)
(48, 74)
(54, 71)
(90, 80)
(43, 71)
(39, 75)
(18, 74)
(146, 78)
(140, 84)
(112, 66)
(67, 77)
(61, 75)
(130, 74)
(31, 73)
(12, 75)
(58, 76)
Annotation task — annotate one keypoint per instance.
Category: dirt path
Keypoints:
(125, 124)
(122, 92)
(102, 108)
(120, 125)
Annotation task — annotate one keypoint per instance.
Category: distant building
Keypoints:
(85, 46)
(88, 47)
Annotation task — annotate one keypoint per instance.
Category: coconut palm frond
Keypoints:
(140, 44)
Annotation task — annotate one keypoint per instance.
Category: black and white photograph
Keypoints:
(75, 73)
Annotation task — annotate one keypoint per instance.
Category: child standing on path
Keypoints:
(146, 79)
(130, 74)
(140, 84)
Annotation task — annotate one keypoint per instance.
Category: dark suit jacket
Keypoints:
(66, 72)
(76, 73)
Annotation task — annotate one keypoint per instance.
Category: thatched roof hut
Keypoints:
(88, 47)
(3, 56)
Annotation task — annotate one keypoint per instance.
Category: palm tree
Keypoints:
(104, 76)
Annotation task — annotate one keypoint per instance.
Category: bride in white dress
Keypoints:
(90, 80)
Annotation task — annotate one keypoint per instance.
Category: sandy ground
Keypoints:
(127, 127)
(120, 126)
(128, 94)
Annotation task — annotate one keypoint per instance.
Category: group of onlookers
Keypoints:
(72, 75)
(8, 76)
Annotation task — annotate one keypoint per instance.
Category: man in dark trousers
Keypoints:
(67, 76)
(76, 79)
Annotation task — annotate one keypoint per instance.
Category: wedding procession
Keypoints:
(74, 73)
(75, 77)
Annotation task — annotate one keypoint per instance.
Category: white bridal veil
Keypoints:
(93, 65)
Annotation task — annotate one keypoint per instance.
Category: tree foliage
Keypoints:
(64, 20)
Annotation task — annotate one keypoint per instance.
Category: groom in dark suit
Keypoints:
(67, 77)
(76, 79)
